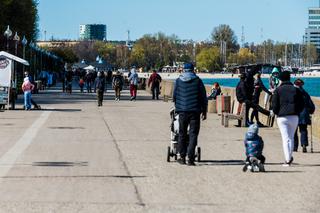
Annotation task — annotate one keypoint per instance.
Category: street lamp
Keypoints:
(16, 38)
(24, 43)
(8, 34)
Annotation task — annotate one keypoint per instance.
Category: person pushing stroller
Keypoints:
(254, 147)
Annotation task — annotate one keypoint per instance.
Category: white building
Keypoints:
(312, 33)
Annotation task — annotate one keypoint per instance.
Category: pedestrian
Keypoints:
(244, 95)
(69, 79)
(100, 87)
(81, 84)
(191, 102)
(274, 82)
(88, 79)
(133, 81)
(215, 91)
(117, 84)
(155, 80)
(35, 105)
(27, 87)
(304, 118)
(287, 104)
(258, 88)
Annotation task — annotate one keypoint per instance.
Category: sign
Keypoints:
(5, 72)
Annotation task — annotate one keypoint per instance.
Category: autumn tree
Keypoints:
(208, 59)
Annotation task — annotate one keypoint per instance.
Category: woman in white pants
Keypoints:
(287, 103)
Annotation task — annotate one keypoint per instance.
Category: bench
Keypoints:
(237, 113)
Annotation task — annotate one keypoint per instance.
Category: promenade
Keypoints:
(72, 156)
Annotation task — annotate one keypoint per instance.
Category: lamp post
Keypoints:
(24, 43)
(16, 39)
(8, 34)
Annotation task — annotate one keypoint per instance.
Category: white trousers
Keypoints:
(288, 125)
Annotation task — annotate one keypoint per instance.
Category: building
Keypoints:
(93, 32)
(312, 33)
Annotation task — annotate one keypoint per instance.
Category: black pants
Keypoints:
(155, 92)
(256, 108)
(303, 136)
(188, 145)
(100, 96)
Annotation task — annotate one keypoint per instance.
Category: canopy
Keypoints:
(90, 67)
(4, 54)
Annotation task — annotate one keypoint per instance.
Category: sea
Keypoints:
(311, 85)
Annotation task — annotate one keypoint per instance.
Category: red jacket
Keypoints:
(155, 79)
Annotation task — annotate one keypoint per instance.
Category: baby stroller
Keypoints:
(173, 148)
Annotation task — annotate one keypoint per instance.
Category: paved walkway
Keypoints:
(75, 157)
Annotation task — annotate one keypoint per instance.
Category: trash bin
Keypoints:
(212, 106)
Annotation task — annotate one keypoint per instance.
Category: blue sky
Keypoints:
(281, 20)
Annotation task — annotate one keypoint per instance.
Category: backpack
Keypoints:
(117, 82)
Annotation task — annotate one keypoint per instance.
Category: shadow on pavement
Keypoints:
(267, 171)
(221, 162)
(59, 164)
(75, 176)
(62, 110)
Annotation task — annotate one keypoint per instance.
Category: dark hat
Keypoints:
(285, 76)
(188, 67)
(299, 82)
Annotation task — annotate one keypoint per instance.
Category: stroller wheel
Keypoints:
(199, 154)
(168, 154)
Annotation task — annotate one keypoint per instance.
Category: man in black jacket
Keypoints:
(244, 93)
(190, 101)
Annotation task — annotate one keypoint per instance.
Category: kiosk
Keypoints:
(8, 81)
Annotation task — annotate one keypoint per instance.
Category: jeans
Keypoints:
(303, 136)
(155, 92)
(133, 90)
(288, 125)
(27, 99)
(187, 144)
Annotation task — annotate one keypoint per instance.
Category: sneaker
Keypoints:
(191, 163)
(291, 160)
(304, 149)
(181, 161)
(286, 164)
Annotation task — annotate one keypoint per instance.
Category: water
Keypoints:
(311, 85)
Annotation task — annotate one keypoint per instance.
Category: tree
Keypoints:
(22, 16)
(244, 56)
(224, 33)
(66, 53)
(138, 56)
(209, 59)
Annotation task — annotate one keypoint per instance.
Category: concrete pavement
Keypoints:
(75, 157)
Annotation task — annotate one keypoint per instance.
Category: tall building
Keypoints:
(312, 33)
(93, 32)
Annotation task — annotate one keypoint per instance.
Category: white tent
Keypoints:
(90, 67)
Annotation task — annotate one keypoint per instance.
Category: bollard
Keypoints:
(212, 106)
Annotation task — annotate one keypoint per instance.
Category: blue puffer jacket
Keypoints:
(253, 144)
(189, 94)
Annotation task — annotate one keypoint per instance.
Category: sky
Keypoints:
(279, 20)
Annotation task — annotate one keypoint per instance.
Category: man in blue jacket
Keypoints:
(191, 102)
